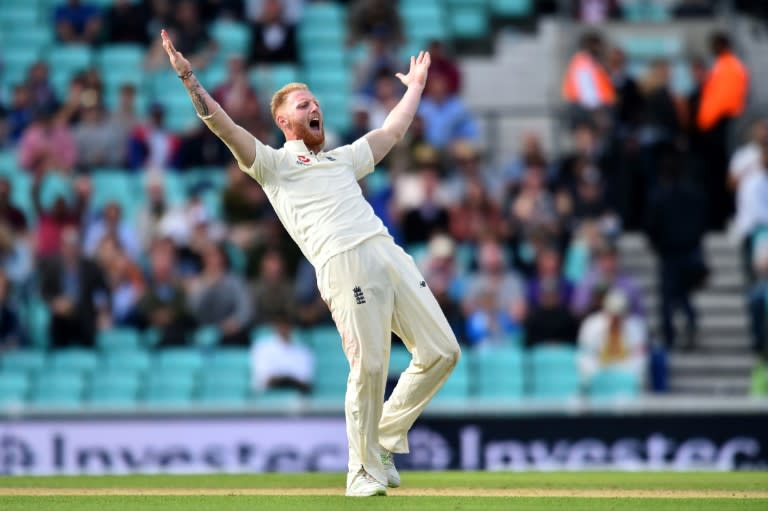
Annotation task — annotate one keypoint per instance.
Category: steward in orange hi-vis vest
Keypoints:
(725, 90)
(586, 82)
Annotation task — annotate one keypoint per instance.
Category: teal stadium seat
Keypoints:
(455, 391)
(224, 387)
(512, 8)
(399, 359)
(648, 47)
(17, 63)
(118, 339)
(123, 55)
(128, 360)
(613, 384)
(72, 58)
(279, 398)
(158, 378)
(188, 359)
(19, 14)
(26, 36)
(324, 13)
(330, 34)
(554, 372)
(498, 372)
(114, 388)
(331, 369)
(37, 319)
(469, 23)
(74, 359)
(14, 385)
(230, 359)
(232, 37)
(640, 11)
(223, 397)
(58, 388)
(206, 336)
(28, 360)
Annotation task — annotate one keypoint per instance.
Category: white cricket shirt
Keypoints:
(317, 197)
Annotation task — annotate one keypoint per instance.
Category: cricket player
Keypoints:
(371, 285)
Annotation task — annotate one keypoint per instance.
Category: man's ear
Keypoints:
(282, 122)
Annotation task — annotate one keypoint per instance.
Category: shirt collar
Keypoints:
(296, 146)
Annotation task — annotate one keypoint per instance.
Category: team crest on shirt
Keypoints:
(303, 160)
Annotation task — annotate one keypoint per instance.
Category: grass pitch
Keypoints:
(425, 491)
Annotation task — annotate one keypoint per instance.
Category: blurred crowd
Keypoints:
(521, 253)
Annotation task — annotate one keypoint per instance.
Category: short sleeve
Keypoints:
(262, 165)
(362, 158)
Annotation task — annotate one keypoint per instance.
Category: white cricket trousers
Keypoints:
(372, 290)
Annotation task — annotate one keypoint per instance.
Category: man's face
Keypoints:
(303, 118)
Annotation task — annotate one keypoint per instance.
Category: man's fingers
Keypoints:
(427, 59)
(413, 61)
(167, 43)
(400, 76)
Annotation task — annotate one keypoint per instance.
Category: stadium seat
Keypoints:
(455, 390)
(651, 46)
(329, 385)
(16, 14)
(327, 55)
(613, 383)
(498, 372)
(223, 396)
(512, 8)
(225, 377)
(129, 360)
(58, 389)
(177, 377)
(21, 36)
(279, 398)
(324, 337)
(120, 56)
(118, 339)
(554, 373)
(469, 23)
(74, 359)
(71, 58)
(399, 359)
(167, 396)
(236, 359)
(331, 34)
(24, 360)
(324, 13)
(232, 37)
(112, 397)
(14, 382)
(111, 387)
(11, 397)
(187, 359)
(206, 336)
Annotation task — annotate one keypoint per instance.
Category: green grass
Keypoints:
(661, 481)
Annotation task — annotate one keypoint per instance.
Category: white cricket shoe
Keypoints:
(365, 485)
(393, 476)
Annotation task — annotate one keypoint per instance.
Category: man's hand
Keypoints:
(179, 63)
(417, 74)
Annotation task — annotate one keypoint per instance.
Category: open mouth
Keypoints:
(314, 124)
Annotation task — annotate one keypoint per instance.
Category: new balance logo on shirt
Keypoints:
(359, 296)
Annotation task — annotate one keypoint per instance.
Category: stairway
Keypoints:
(721, 362)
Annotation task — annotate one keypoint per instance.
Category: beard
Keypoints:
(311, 138)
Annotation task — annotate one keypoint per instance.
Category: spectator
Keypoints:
(164, 304)
(595, 12)
(47, 144)
(360, 123)
(445, 66)
(152, 211)
(113, 224)
(494, 305)
(723, 98)
(477, 215)
(274, 36)
(190, 37)
(551, 321)
(98, 143)
(605, 275)
(758, 299)
(62, 215)
(126, 23)
(693, 9)
(629, 101)
(587, 87)
(548, 275)
(446, 117)
(379, 61)
(9, 213)
(19, 114)
(16, 259)
(374, 18)
(75, 290)
(311, 309)
(293, 10)
(748, 158)
(386, 94)
(11, 333)
(237, 94)
(152, 146)
(124, 117)
(445, 281)
(531, 155)
(752, 209)
(430, 217)
(244, 206)
(534, 210)
(77, 22)
(126, 288)
(220, 298)
(41, 91)
(467, 165)
(273, 291)
(613, 338)
(675, 226)
(280, 361)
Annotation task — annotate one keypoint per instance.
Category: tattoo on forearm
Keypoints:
(197, 93)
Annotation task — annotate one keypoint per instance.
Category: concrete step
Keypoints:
(719, 282)
(706, 385)
(735, 364)
(716, 323)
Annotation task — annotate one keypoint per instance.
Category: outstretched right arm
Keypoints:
(239, 141)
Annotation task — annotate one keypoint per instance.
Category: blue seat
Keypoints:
(279, 398)
(612, 384)
(74, 359)
(14, 382)
(455, 391)
(512, 8)
(324, 13)
(469, 23)
(58, 388)
(17, 63)
(499, 372)
(236, 359)
(72, 58)
(129, 360)
(119, 339)
(324, 337)
(24, 360)
(554, 372)
(330, 386)
(13, 14)
(120, 56)
(180, 358)
(399, 359)
(206, 336)
(114, 387)
(231, 36)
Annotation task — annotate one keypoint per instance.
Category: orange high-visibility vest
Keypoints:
(725, 91)
(573, 91)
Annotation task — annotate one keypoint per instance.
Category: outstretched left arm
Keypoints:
(399, 119)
